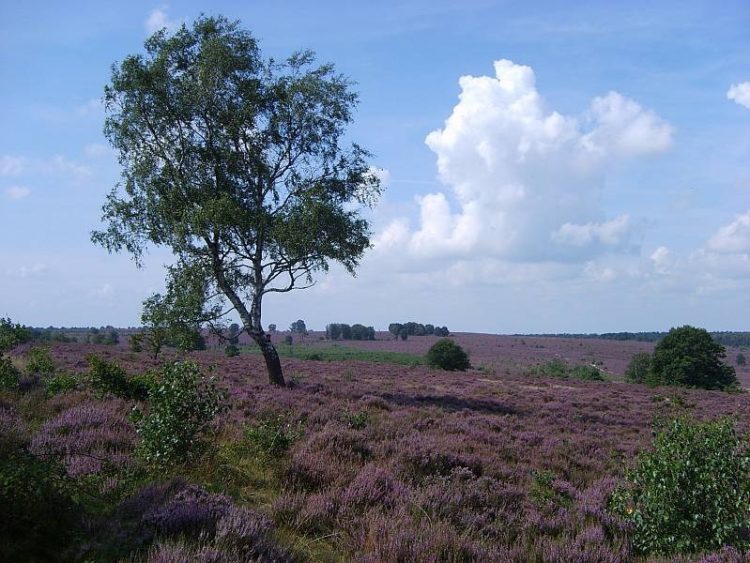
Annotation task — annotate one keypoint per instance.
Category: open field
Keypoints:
(385, 462)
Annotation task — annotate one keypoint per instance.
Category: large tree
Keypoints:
(237, 164)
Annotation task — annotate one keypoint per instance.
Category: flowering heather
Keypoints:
(485, 465)
(89, 438)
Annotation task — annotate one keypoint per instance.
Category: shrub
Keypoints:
(9, 374)
(60, 383)
(39, 516)
(181, 407)
(231, 351)
(586, 372)
(108, 377)
(689, 356)
(273, 435)
(446, 354)
(639, 367)
(39, 362)
(690, 492)
(740, 359)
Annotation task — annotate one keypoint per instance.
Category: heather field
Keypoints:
(363, 460)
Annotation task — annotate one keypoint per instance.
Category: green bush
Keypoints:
(741, 359)
(231, 351)
(108, 377)
(273, 435)
(39, 517)
(586, 372)
(181, 407)
(60, 383)
(558, 369)
(638, 368)
(9, 374)
(689, 356)
(39, 362)
(446, 354)
(690, 492)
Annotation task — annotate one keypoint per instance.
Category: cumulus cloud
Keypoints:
(10, 165)
(733, 238)
(158, 20)
(14, 193)
(525, 182)
(740, 94)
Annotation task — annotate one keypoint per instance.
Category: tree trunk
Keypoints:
(273, 362)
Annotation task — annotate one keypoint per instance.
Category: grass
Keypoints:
(339, 353)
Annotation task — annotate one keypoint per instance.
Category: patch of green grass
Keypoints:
(340, 353)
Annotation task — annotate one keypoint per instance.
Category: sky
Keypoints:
(549, 166)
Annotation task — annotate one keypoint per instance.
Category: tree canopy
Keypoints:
(237, 164)
(689, 356)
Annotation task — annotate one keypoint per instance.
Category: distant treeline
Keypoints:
(725, 338)
(343, 331)
(404, 330)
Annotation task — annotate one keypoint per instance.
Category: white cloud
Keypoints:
(14, 193)
(523, 176)
(624, 128)
(661, 260)
(740, 94)
(11, 165)
(610, 233)
(733, 238)
(158, 20)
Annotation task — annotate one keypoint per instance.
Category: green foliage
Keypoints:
(12, 334)
(135, 341)
(559, 369)
(741, 359)
(39, 515)
(446, 354)
(9, 374)
(586, 372)
(689, 356)
(357, 420)
(181, 406)
(543, 491)
(231, 351)
(60, 383)
(690, 492)
(39, 361)
(109, 377)
(638, 368)
(273, 435)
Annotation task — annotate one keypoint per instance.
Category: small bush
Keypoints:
(231, 351)
(690, 492)
(357, 420)
(181, 407)
(740, 359)
(39, 362)
(638, 368)
(446, 354)
(9, 374)
(586, 372)
(60, 383)
(273, 435)
(39, 516)
(108, 377)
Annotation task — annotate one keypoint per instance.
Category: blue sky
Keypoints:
(589, 173)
